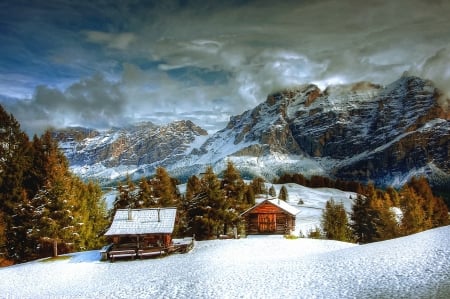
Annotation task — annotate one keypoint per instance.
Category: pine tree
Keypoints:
(384, 219)
(283, 194)
(193, 187)
(164, 189)
(190, 206)
(145, 195)
(391, 225)
(216, 204)
(127, 198)
(362, 220)
(334, 222)
(206, 209)
(414, 218)
(55, 201)
(15, 162)
(436, 212)
(18, 232)
(258, 186)
(90, 215)
(249, 196)
(272, 191)
(234, 188)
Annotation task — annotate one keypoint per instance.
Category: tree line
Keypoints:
(210, 206)
(379, 215)
(44, 208)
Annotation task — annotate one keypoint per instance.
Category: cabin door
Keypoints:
(267, 223)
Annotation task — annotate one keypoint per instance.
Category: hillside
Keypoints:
(416, 266)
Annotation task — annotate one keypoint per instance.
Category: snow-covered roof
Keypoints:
(143, 221)
(279, 203)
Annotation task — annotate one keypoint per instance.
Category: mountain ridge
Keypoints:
(360, 131)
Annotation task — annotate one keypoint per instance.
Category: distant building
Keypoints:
(271, 216)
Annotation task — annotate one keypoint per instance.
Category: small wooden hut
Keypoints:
(271, 216)
(141, 232)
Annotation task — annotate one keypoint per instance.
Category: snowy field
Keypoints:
(417, 266)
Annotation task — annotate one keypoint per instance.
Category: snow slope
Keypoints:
(416, 266)
(314, 200)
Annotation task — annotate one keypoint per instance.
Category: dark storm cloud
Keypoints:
(164, 60)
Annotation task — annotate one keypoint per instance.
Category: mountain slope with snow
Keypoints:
(359, 131)
(417, 266)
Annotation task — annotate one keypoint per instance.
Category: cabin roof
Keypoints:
(143, 221)
(276, 202)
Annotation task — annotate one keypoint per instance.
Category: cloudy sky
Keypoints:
(104, 63)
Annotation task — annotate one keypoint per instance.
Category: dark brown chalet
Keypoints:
(271, 216)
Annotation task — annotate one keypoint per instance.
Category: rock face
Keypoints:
(143, 147)
(358, 131)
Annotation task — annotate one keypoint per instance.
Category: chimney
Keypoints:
(130, 214)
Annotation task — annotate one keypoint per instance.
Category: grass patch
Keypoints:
(56, 258)
(290, 237)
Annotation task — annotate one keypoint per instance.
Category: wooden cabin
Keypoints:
(271, 216)
(141, 232)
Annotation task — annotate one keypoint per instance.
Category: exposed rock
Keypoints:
(359, 131)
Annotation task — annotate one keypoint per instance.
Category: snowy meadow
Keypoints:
(417, 266)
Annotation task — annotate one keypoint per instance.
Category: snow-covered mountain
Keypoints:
(359, 131)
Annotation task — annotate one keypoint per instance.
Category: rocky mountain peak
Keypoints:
(361, 131)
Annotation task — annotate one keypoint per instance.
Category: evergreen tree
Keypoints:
(362, 224)
(414, 218)
(15, 162)
(387, 226)
(258, 186)
(272, 191)
(206, 209)
(216, 203)
(55, 201)
(436, 212)
(22, 245)
(193, 187)
(334, 222)
(164, 189)
(249, 196)
(145, 195)
(190, 206)
(90, 215)
(127, 198)
(234, 188)
(283, 195)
